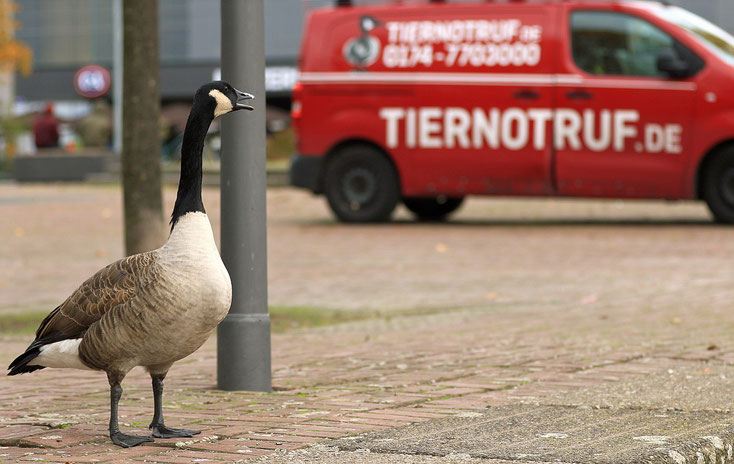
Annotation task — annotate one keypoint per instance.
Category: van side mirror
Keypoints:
(669, 63)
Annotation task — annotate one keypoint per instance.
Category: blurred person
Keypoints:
(95, 129)
(46, 128)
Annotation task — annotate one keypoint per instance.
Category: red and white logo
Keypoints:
(364, 50)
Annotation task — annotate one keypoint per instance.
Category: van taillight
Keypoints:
(296, 107)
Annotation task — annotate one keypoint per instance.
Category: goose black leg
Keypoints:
(119, 438)
(159, 428)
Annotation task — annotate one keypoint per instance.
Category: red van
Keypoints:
(426, 104)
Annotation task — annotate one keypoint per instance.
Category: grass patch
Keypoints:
(21, 323)
(285, 318)
(282, 319)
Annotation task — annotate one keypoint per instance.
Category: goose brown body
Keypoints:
(172, 298)
(149, 309)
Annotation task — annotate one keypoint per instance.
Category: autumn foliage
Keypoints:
(14, 55)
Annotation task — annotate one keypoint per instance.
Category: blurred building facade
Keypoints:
(68, 34)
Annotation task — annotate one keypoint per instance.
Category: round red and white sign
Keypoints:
(92, 81)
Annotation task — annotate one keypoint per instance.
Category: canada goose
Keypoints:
(153, 308)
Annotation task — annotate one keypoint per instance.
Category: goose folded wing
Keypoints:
(109, 287)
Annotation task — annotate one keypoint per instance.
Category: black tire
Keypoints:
(361, 184)
(718, 186)
(432, 209)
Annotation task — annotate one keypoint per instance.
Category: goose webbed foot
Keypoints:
(161, 431)
(117, 437)
(128, 441)
(159, 428)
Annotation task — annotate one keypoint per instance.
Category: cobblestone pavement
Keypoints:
(522, 299)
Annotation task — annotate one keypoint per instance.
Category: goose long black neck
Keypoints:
(189, 186)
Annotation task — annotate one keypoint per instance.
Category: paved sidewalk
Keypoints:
(570, 314)
(352, 379)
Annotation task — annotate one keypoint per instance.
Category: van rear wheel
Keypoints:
(432, 209)
(718, 187)
(361, 184)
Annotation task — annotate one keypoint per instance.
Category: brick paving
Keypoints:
(520, 300)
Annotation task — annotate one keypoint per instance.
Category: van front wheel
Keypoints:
(432, 209)
(361, 185)
(718, 188)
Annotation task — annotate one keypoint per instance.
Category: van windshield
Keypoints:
(712, 36)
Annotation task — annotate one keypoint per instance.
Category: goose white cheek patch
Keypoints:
(224, 105)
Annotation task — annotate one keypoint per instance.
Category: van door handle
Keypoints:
(526, 94)
(579, 95)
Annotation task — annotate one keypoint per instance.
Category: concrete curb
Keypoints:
(536, 433)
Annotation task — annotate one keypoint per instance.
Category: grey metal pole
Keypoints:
(243, 342)
(117, 76)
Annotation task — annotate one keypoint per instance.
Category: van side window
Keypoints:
(607, 43)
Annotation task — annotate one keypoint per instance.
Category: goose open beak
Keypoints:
(242, 97)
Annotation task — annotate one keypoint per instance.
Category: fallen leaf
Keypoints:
(676, 320)
(19, 232)
(491, 296)
(588, 299)
(441, 248)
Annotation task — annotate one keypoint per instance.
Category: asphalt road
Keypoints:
(509, 252)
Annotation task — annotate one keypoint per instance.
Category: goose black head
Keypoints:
(222, 98)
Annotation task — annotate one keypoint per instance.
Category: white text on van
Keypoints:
(515, 128)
